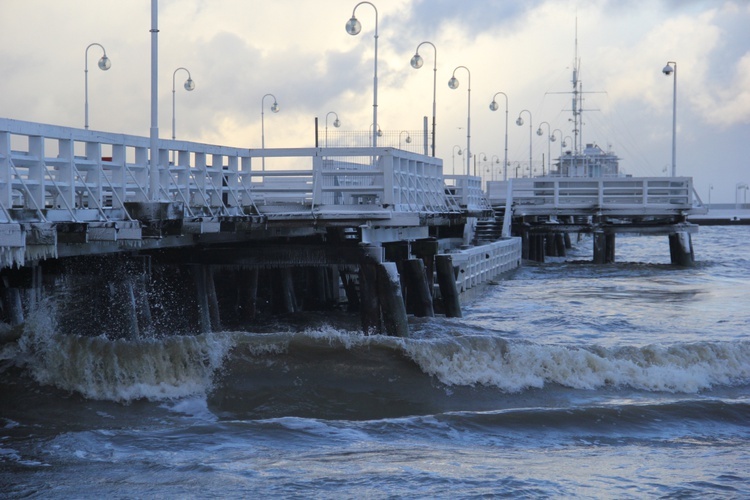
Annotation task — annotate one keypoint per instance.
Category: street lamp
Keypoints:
(407, 140)
(710, 188)
(353, 27)
(275, 108)
(539, 132)
(668, 70)
(189, 86)
(104, 65)
(453, 83)
(495, 160)
(416, 63)
(336, 123)
(493, 107)
(519, 122)
(453, 166)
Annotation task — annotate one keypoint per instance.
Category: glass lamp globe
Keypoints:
(380, 133)
(552, 138)
(189, 84)
(519, 122)
(336, 123)
(667, 69)
(453, 83)
(417, 61)
(408, 139)
(105, 63)
(539, 131)
(275, 107)
(494, 106)
(353, 26)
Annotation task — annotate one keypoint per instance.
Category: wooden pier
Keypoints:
(199, 237)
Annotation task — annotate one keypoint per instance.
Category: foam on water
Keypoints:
(121, 370)
(515, 366)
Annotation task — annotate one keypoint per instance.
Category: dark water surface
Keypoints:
(565, 379)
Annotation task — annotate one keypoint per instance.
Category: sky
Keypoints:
(237, 51)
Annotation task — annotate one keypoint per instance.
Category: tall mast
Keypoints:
(577, 120)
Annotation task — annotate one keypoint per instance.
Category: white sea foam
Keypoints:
(513, 367)
(122, 370)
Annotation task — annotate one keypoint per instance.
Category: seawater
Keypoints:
(564, 379)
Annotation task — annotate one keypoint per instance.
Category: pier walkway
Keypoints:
(546, 210)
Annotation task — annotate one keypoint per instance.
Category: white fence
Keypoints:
(52, 173)
(613, 195)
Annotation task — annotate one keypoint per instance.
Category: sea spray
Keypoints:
(122, 370)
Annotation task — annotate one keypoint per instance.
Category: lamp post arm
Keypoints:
(86, 81)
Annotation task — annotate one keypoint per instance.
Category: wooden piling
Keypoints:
(368, 297)
(447, 282)
(418, 291)
(560, 244)
(391, 300)
(600, 247)
(681, 249)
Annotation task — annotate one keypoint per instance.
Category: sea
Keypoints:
(562, 380)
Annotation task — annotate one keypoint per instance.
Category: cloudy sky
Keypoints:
(239, 50)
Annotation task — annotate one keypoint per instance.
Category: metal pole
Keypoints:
(154, 160)
(674, 124)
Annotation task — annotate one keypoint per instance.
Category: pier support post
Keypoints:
(550, 245)
(418, 291)
(201, 296)
(560, 244)
(447, 283)
(368, 297)
(284, 298)
(681, 249)
(392, 300)
(604, 248)
(247, 294)
(350, 289)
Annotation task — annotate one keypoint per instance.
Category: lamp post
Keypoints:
(493, 107)
(416, 63)
(539, 132)
(518, 165)
(353, 27)
(480, 158)
(379, 132)
(189, 86)
(710, 188)
(104, 65)
(453, 165)
(275, 108)
(519, 122)
(336, 123)
(407, 140)
(668, 70)
(495, 160)
(453, 83)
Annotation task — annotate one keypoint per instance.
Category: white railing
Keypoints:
(467, 191)
(477, 265)
(351, 179)
(57, 173)
(615, 195)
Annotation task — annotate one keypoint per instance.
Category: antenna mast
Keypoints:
(577, 109)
